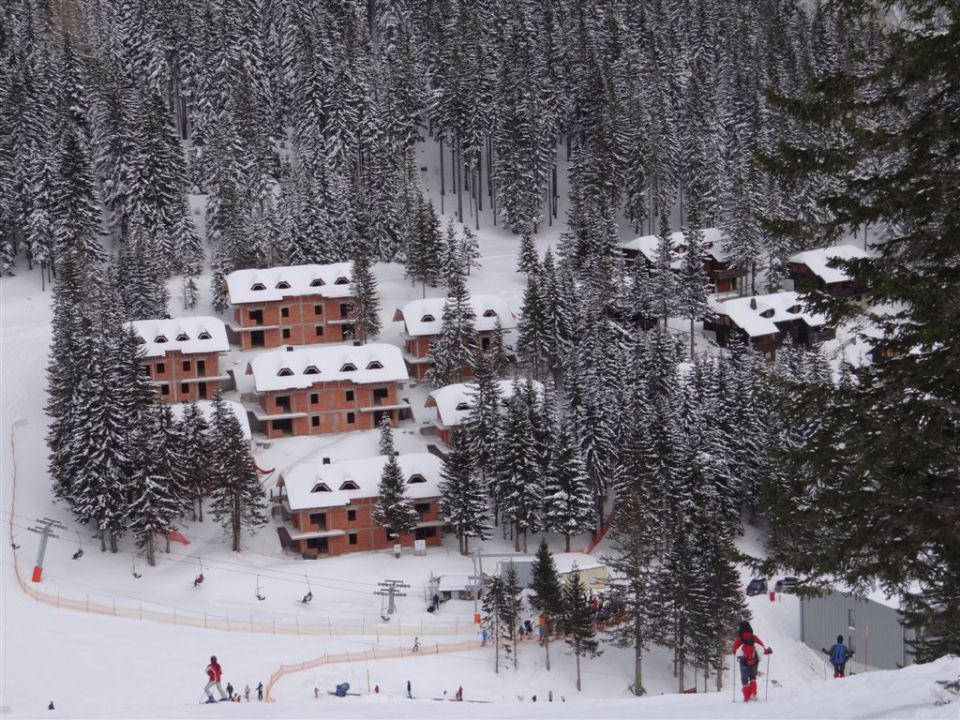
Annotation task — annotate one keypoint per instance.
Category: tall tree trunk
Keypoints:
(546, 642)
(151, 551)
(638, 659)
(459, 183)
(236, 524)
(443, 182)
(691, 337)
(566, 542)
(113, 542)
(578, 669)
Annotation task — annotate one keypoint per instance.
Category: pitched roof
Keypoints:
(206, 408)
(304, 481)
(425, 317)
(270, 284)
(289, 368)
(454, 402)
(714, 241)
(198, 334)
(817, 260)
(759, 314)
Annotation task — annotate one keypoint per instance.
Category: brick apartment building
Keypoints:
(327, 506)
(422, 320)
(318, 390)
(182, 356)
(296, 305)
(455, 402)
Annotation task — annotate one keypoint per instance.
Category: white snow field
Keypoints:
(101, 643)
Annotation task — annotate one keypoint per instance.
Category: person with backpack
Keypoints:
(749, 660)
(214, 673)
(839, 654)
(260, 692)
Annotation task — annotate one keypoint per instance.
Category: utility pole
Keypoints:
(390, 589)
(44, 527)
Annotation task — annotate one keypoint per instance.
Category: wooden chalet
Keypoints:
(295, 305)
(318, 390)
(181, 356)
(810, 270)
(716, 260)
(327, 507)
(764, 320)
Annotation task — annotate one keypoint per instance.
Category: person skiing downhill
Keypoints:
(839, 654)
(214, 673)
(749, 660)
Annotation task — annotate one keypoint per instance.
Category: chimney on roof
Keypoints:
(326, 461)
(753, 303)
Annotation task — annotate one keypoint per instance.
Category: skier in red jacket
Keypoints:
(749, 660)
(214, 673)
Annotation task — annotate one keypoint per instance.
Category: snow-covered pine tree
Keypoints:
(517, 477)
(453, 261)
(482, 425)
(385, 442)
(510, 611)
(692, 281)
(424, 250)
(663, 278)
(366, 300)
(547, 599)
(533, 337)
(196, 449)
(157, 482)
(568, 507)
(394, 512)
(237, 501)
(77, 219)
(453, 350)
(498, 354)
(463, 502)
(529, 261)
(577, 621)
(494, 600)
(469, 249)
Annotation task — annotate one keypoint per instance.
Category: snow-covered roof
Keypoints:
(291, 368)
(454, 582)
(759, 314)
(714, 242)
(206, 407)
(198, 334)
(425, 317)
(454, 402)
(269, 284)
(817, 260)
(313, 484)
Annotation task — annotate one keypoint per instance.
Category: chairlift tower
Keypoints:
(44, 527)
(390, 589)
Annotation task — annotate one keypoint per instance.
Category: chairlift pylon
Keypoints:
(134, 569)
(79, 553)
(260, 596)
(309, 596)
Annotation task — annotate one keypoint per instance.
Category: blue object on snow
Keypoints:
(341, 690)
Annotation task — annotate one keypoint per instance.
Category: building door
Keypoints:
(318, 544)
(256, 338)
(202, 390)
(201, 368)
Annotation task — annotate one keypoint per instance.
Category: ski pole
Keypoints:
(733, 682)
(766, 686)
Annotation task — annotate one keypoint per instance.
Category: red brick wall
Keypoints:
(174, 373)
(300, 323)
(330, 409)
(369, 535)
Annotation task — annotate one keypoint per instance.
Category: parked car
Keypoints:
(757, 586)
(787, 584)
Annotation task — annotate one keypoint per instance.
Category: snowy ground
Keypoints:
(99, 666)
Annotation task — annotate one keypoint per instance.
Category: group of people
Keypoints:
(214, 679)
(749, 658)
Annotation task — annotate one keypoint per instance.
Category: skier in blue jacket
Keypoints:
(839, 654)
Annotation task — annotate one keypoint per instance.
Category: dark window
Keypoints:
(286, 333)
(416, 478)
(374, 365)
(318, 330)
(767, 313)
(352, 539)
(164, 389)
(342, 280)
(349, 395)
(318, 309)
(311, 370)
(283, 285)
(284, 312)
(161, 368)
(349, 485)
(345, 309)
(380, 394)
(463, 406)
(283, 402)
(317, 282)
(422, 509)
(351, 418)
(489, 313)
(314, 398)
(145, 369)
(424, 533)
(186, 366)
(428, 318)
(201, 367)
(204, 335)
(182, 337)
(257, 317)
(160, 339)
(318, 544)
(348, 367)
(351, 515)
(184, 388)
(258, 286)
(485, 343)
(320, 487)
(315, 421)
(284, 372)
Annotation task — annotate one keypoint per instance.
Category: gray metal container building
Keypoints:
(869, 628)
